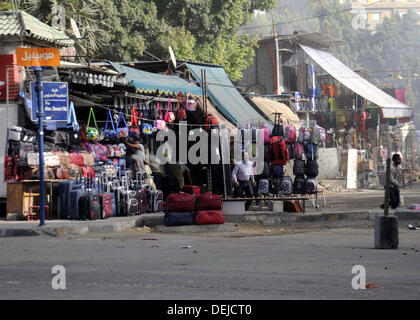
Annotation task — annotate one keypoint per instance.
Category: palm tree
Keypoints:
(84, 12)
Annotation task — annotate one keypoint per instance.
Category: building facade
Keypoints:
(375, 11)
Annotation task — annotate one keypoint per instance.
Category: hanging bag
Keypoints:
(110, 135)
(122, 132)
(72, 124)
(191, 105)
(169, 116)
(92, 133)
(147, 127)
(160, 124)
(134, 124)
(181, 112)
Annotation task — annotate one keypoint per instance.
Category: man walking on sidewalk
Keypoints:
(394, 191)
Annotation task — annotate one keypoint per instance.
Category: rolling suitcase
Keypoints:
(142, 202)
(89, 204)
(75, 196)
(179, 218)
(157, 201)
(180, 202)
(132, 203)
(209, 201)
(209, 217)
(105, 200)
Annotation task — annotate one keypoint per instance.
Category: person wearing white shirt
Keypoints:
(243, 179)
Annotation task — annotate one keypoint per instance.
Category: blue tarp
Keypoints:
(223, 93)
(147, 82)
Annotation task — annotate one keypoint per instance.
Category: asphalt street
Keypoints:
(137, 265)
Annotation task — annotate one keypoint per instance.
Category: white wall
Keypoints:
(4, 113)
(328, 163)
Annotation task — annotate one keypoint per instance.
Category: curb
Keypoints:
(226, 227)
(156, 221)
(149, 220)
(337, 219)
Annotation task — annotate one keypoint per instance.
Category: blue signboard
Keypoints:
(55, 101)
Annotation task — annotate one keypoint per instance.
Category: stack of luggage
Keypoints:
(188, 209)
(103, 197)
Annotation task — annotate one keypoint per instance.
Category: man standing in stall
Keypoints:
(243, 178)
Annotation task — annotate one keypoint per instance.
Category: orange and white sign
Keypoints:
(38, 57)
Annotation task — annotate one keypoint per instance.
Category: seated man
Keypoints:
(243, 178)
(136, 158)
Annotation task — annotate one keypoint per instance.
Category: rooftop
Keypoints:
(312, 39)
(22, 26)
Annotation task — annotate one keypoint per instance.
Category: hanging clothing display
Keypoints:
(333, 104)
(400, 95)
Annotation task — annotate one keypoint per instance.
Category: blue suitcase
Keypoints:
(179, 218)
(65, 188)
(75, 196)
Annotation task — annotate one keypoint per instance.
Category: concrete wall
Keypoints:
(328, 163)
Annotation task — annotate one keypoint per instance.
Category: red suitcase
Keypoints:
(209, 217)
(194, 190)
(106, 205)
(209, 201)
(180, 202)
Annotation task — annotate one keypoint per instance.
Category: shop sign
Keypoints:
(38, 57)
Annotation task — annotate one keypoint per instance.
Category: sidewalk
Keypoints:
(342, 210)
(155, 222)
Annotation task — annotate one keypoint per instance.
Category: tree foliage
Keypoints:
(124, 30)
(391, 48)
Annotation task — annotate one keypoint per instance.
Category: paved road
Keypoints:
(362, 200)
(307, 265)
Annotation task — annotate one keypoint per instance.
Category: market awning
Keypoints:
(147, 82)
(271, 106)
(224, 95)
(391, 107)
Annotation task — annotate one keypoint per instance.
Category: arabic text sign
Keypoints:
(55, 101)
(38, 57)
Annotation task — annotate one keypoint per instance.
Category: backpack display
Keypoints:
(311, 186)
(311, 151)
(290, 134)
(278, 131)
(263, 187)
(304, 135)
(299, 167)
(298, 150)
(318, 134)
(311, 169)
(278, 171)
(277, 151)
(299, 185)
(287, 186)
(210, 122)
(266, 132)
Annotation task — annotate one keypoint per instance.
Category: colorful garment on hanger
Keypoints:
(333, 104)
(400, 95)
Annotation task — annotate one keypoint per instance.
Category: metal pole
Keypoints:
(277, 65)
(40, 114)
(387, 184)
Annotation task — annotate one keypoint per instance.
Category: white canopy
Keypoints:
(391, 107)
